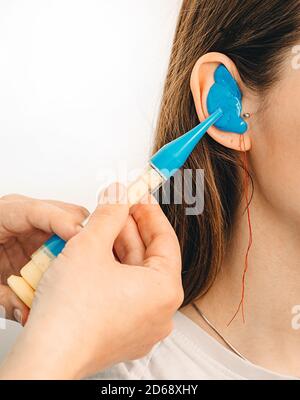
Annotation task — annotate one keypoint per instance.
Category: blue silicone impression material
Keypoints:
(226, 94)
(224, 104)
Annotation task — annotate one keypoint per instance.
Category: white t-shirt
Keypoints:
(189, 353)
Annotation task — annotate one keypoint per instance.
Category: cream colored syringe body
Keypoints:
(149, 182)
(25, 285)
(31, 274)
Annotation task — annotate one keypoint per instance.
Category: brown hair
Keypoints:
(254, 34)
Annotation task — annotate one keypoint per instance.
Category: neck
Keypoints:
(272, 289)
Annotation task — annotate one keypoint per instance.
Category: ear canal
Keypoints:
(225, 94)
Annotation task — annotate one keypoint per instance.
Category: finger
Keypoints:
(12, 258)
(11, 306)
(14, 197)
(58, 203)
(19, 217)
(129, 246)
(157, 234)
(31, 242)
(69, 207)
(110, 216)
(61, 204)
(17, 251)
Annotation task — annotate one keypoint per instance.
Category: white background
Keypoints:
(80, 85)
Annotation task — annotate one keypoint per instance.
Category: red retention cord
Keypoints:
(246, 191)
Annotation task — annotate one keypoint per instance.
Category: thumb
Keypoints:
(110, 216)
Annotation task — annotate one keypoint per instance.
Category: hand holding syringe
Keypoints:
(93, 309)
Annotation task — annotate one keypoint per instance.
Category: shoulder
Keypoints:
(187, 353)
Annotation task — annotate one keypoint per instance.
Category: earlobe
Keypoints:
(215, 82)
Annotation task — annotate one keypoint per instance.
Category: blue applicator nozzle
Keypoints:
(173, 155)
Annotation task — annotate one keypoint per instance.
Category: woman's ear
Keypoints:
(202, 79)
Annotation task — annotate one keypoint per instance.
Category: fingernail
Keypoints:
(79, 228)
(86, 213)
(18, 315)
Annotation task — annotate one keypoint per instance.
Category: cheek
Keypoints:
(275, 154)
